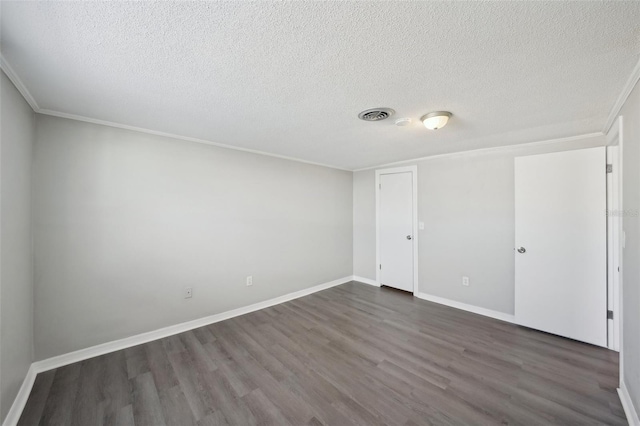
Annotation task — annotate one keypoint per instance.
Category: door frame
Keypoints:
(615, 232)
(414, 178)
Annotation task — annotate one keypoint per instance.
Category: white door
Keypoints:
(396, 230)
(561, 243)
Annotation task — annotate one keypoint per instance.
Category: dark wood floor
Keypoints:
(353, 354)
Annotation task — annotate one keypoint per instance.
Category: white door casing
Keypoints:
(396, 228)
(615, 138)
(560, 203)
(614, 218)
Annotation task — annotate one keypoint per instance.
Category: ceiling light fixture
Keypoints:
(435, 120)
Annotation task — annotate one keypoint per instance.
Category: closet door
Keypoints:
(561, 243)
(396, 230)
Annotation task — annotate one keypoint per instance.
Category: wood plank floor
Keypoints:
(353, 354)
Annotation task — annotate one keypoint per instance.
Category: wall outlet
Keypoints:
(465, 281)
(421, 226)
(249, 280)
(188, 292)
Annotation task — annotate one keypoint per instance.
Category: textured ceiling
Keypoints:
(289, 78)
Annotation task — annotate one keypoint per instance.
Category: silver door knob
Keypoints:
(522, 250)
(408, 237)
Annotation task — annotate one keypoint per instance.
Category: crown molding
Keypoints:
(15, 79)
(8, 70)
(502, 148)
(628, 87)
(622, 98)
(180, 137)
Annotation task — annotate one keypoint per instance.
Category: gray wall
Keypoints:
(16, 254)
(124, 221)
(467, 204)
(364, 241)
(631, 253)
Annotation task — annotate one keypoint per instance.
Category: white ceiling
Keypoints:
(289, 78)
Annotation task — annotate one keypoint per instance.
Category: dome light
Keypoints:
(435, 120)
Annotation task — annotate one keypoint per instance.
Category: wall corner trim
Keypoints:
(366, 281)
(466, 307)
(21, 399)
(80, 355)
(627, 404)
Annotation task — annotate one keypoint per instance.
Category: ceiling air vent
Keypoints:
(376, 114)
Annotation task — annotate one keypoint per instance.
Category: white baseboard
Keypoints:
(366, 281)
(116, 345)
(465, 307)
(21, 398)
(627, 404)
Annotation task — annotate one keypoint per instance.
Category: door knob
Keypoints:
(522, 250)
(408, 237)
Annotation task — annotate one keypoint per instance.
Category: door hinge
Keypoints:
(380, 266)
(609, 168)
(379, 186)
(609, 314)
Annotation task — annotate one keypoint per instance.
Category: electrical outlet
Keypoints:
(249, 280)
(188, 293)
(465, 281)
(421, 226)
